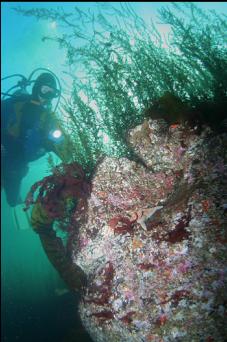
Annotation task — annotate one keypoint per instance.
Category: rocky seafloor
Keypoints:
(153, 242)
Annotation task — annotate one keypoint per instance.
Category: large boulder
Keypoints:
(153, 241)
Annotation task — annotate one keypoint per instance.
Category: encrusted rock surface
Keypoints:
(153, 243)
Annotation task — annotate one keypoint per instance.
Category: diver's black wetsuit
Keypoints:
(24, 138)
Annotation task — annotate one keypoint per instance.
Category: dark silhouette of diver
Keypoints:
(29, 129)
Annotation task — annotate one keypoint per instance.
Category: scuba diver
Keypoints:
(30, 129)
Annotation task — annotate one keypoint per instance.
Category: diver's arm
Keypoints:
(62, 149)
(58, 141)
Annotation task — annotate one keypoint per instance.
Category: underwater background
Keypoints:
(35, 305)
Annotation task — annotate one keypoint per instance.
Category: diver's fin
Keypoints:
(21, 218)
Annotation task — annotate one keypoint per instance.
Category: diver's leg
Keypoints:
(13, 169)
(11, 180)
(72, 274)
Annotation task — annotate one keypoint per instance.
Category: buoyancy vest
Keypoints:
(26, 123)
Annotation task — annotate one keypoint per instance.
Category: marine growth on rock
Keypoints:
(159, 275)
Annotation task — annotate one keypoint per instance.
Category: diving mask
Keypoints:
(48, 93)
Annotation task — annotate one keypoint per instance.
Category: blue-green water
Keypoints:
(31, 308)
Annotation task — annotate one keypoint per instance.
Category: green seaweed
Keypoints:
(126, 68)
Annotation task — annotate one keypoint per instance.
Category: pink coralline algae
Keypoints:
(185, 266)
(146, 266)
(127, 319)
(157, 260)
(178, 234)
(122, 225)
(103, 316)
(100, 294)
(161, 320)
